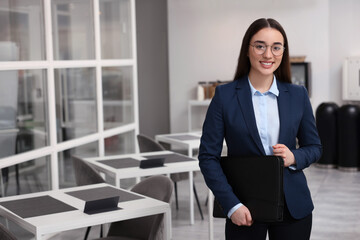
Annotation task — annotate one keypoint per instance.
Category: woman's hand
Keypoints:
(283, 151)
(242, 217)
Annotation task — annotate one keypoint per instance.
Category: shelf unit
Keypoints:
(203, 105)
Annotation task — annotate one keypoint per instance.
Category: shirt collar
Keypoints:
(273, 89)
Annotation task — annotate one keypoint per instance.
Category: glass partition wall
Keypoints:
(68, 86)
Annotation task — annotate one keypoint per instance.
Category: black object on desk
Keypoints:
(101, 205)
(258, 183)
(152, 162)
(103, 199)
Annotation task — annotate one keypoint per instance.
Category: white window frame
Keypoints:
(50, 65)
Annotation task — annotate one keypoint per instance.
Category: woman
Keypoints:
(262, 113)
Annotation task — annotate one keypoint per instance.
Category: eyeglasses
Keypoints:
(260, 48)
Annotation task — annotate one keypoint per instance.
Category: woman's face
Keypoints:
(265, 64)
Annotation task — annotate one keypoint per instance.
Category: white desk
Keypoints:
(73, 219)
(111, 166)
(190, 141)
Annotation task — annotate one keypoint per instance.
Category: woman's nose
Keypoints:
(268, 52)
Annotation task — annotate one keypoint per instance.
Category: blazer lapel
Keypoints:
(284, 110)
(245, 102)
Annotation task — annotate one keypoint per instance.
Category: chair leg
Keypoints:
(101, 230)
(17, 179)
(87, 233)
(176, 196)
(197, 201)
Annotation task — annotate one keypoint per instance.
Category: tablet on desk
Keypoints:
(152, 162)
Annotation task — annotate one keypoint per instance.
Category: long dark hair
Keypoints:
(282, 73)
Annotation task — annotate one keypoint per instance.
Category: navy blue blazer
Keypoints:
(231, 116)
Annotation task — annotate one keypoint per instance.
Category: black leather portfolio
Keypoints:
(258, 183)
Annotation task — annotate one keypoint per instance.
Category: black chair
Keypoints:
(86, 175)
(147, 144)
(150, 227)
(5, 234)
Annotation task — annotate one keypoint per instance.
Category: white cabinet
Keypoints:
(196, 114)
(351, 79)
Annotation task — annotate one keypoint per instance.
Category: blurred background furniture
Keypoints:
(326, 121)
(86, 175)
(119, 167)
(5, 234)
(8, 134)
(68, 204)
(147, 144)
(150, 227)
(8, 108)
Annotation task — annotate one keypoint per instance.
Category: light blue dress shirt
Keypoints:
(267, 120)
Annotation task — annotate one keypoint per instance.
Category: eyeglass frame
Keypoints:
(266, 47)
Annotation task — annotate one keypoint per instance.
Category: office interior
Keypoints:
(85, 77)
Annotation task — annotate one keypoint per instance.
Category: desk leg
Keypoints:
(167, 224)
(137, 180)
(190, 152)
(117, 181)
(191, 183)
(211, 219)
(38, 236)
(2, 184)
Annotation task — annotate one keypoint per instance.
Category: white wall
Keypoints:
(344, 40)
(205, 37)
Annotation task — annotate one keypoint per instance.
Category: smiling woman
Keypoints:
(262, 113)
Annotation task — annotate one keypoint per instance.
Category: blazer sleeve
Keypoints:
(210, 153)
(310, 148)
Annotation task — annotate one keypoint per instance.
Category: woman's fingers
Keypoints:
(249, 220)
(283, 151)
(242, 217)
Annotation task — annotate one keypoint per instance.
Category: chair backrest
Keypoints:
(147, 144)
(158, 187)
(84, 173)
(5, 234)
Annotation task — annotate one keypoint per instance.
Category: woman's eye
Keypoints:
(276, 48)
(260, 46)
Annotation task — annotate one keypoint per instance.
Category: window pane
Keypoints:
(23, 111)
(120, 144)
(118, 99)
(34, 176)
(66, 169)
(75, 102)
(21, 30)
(73, 28)
(115, 27)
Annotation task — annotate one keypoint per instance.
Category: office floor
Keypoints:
(335, 193)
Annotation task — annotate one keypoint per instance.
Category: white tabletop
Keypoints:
(187, 139)
(63, 221)
(187, 164)
(184, 164)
